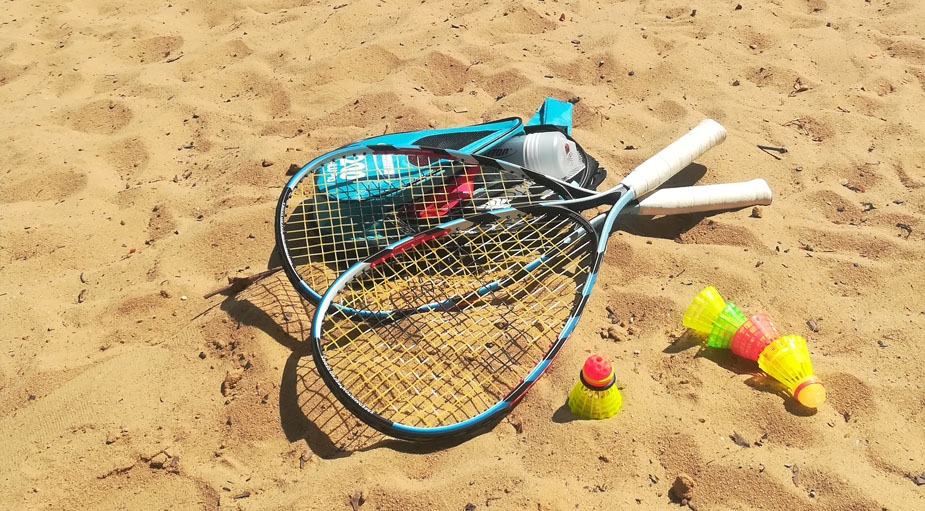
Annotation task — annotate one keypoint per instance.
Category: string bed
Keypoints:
(331, 225)
(448, 364)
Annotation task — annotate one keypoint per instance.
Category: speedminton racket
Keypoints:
(439, 334)
(351, 203)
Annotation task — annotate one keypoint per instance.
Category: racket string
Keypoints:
(451, 363)
(337, 216)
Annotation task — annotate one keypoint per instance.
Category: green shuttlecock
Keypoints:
(726, 324)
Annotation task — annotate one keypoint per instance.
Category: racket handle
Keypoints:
(695, 199)
(670, 160)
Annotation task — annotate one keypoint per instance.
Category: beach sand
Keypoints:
(143, 146)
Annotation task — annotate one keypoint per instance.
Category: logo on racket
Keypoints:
(361, 166)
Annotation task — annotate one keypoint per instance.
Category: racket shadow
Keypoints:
(672, 226)
(664, 227)
(308, 412)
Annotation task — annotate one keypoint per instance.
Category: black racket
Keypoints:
(351, 203)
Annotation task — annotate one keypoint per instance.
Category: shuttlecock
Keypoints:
(787, 360)
(704, 310)
(595, 395)
(726, 324)
(753, 336)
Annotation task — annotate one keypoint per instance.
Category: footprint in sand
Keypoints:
(669, 110)
(10, 72)
(161, 223)
(156, 49)
(104, 117)
(524, 20)
(48, 186)
(716, 233)
(446, 74)
(129, 156)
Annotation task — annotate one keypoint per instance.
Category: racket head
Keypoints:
(442, 372)
(350, 203)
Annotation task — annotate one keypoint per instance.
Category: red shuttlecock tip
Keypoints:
(597, 371)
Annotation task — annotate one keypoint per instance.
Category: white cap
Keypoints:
(550, 153)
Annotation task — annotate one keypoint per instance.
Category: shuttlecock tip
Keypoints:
(812, 395)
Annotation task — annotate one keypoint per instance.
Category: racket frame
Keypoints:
(495, 412)
(564, 190)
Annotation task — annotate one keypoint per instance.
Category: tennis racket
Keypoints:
(440, 333)
(351, 203)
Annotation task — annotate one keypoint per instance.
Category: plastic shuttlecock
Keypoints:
(787, 360)
(704, 310)
(595, 396)
(753, 336)
(725, 325)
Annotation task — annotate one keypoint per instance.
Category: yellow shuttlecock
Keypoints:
(704, 310)
(787, 360)
(595, 396)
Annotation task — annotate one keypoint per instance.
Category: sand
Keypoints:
(144, 145)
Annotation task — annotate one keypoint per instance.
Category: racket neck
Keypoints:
(611, 217)
(607, 197)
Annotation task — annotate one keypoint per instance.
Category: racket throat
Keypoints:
(611, 217)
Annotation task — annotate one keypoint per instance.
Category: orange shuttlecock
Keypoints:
(595, 395)
(704, 310)
(787, 360)
(753, 336)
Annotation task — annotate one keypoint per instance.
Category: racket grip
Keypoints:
(695, 199)
(670, 160)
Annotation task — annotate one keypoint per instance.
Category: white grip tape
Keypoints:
(670, 160)
(695, 199)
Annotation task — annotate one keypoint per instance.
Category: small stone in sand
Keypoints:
(158, 460)
(610, 333)
(683, 487)
(357, 500)
(612, 315)
(231, 379)
(756, 213)
(739, 440)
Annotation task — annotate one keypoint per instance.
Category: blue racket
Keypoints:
(351, 203)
